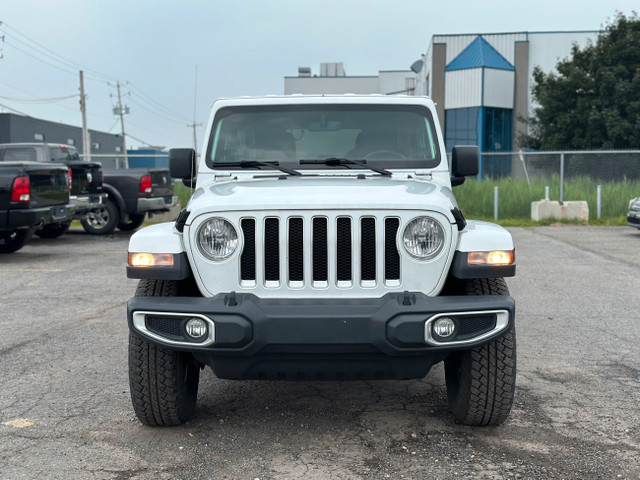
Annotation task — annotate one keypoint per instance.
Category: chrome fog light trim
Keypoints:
(140, 324)
(502, 322)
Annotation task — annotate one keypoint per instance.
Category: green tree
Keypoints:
(593, 101)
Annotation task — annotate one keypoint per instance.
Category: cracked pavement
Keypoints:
(65, 411)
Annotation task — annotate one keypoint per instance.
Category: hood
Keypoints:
(322, 193)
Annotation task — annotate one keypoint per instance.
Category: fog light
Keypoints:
(444, 327)
(196, 328)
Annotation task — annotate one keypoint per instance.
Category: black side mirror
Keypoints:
(465, 161)
(182, 163)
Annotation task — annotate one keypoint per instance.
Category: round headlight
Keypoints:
(217, 239)
(423, 238)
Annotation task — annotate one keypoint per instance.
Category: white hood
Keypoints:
(322, 193)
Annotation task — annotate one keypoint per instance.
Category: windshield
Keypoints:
(391, 136)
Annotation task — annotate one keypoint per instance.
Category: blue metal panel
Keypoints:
(479, 54)
(151, 159)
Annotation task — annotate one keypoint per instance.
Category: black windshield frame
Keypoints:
(362, 108)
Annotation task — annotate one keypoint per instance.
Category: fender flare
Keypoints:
(160, 238)
(115, 195)
(482, 237)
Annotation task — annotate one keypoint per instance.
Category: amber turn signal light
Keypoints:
(498, 257)
(150, 259)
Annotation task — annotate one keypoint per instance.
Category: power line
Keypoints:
(39, 100)
(158, 105)
(59, 57)
(156, 112)
(48, 54)
(49, 57)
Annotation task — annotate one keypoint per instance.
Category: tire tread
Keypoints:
(155, 372)
(486, 395)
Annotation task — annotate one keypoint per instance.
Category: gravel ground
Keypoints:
(65, 411)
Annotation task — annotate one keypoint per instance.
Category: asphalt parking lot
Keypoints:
(65, 411)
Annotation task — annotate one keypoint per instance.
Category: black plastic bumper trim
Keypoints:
(377, 323)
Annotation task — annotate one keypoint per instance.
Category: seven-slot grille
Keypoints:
(320, 251)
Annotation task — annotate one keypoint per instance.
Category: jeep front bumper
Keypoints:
(395, 324)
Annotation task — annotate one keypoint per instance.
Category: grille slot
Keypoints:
(296, 250)
(343, 249)
(320, 253)
(248, 257)
(272, 250)
(391, 255)
(368, 249)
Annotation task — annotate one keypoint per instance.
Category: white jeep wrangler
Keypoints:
(322, 241)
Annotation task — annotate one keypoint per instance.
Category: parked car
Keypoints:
(132, 194)
(32, 196)
(633, 216)
(85, 178)
(324, 241)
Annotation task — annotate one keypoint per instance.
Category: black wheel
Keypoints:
(53, 230)
(481, 382)
(135, 220)
(102, 220)
(12, 241)
(163, 382)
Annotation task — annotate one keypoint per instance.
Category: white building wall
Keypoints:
(463, 88)
(395, 81)
(498, 88)
(504, 43)
(455, 44)
(330, 85)
(547, 48)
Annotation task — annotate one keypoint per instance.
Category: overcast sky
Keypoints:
(240, 48)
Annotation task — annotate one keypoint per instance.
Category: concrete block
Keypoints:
(575, 210)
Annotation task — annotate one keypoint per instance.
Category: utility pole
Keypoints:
(120, 109)
(86, 146)
(194, 125)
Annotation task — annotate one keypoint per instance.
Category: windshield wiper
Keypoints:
(336, 162)
(257, 164)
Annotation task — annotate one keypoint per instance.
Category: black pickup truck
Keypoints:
(85, 177)
(132, 193)
(32, 196)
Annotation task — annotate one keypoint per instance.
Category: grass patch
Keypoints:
(475, 197)
(183, 193)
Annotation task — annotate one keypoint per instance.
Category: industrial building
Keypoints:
(334, 80)
(16, 128)
(481, 84)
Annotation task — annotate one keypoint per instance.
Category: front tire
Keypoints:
(103, 220)
(163, 382)
(54, 230)
(481, 381)
(12, 241)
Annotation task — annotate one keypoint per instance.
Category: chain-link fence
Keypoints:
(607, 180)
